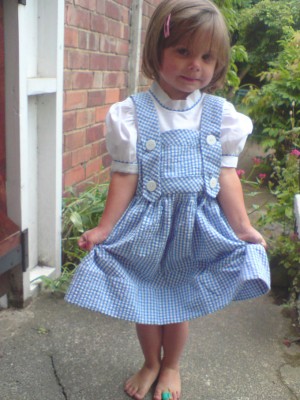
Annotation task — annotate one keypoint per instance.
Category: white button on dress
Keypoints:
(150, 145)
(151, 186)
(211, 139)
(213, 182)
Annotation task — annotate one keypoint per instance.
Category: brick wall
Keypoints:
(97, 52)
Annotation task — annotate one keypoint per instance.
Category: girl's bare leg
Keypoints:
(150, 338)
(174, 340)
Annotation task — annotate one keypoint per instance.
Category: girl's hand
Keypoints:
(92, 237)
(251, 235)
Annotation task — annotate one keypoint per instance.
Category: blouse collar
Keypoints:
(174, 105)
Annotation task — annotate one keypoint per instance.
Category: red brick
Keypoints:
(67, 80)
(93, 167)
(124, 93)
(100, 7)
(94, 133)
(108, 44)
(98, 62)
(123, 47)
(75, 100)
(115, 29)
(98, 148)
(99, 23)
(85, 118)
(95, 150)
(106, 160)
(83, 80)
(102, 146)
(74, 175)
(112, 95)
(96, 98)
(98, 81)
(114, 79)
(125, 16)
(77, 17)
(67, 161)
(69, 121)
(88, 41)
(112, 10)
(101, 113)
(126, 32)
(117, 63)
(71, 37)
(74, 140)
(81, 155)
(78, 60)
(88, 4)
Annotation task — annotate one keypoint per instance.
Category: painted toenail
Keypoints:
(166, 396)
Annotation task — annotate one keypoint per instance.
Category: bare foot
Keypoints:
(169, 380)
(139, 384)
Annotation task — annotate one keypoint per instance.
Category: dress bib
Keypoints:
(172, 256)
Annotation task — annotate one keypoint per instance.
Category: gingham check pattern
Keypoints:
(172, 256)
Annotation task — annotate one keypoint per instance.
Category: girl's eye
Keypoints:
(182, 51)
(208, 57)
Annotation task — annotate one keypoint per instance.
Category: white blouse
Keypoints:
(122, 134)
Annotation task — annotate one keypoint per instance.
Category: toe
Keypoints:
(157, 395)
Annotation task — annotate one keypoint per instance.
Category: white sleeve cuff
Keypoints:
(119, 166)
(229, 161)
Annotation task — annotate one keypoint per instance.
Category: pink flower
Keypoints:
(262, 176)
(295, 152)
(240, 173)
(294, 237)
(256, 160)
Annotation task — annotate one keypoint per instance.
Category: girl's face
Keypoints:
(187, 67)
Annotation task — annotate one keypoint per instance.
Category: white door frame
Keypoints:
(34, 47)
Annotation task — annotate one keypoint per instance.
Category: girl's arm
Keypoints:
(231, 200)
(121, 190)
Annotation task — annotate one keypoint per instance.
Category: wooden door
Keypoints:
(11, 249)
(2, 116)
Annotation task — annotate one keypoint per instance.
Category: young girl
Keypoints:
(174, 242)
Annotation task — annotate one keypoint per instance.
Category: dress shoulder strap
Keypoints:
(148, 146)
(211, 149)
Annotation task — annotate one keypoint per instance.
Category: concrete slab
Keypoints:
(55, 351)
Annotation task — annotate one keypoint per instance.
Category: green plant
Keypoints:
(275, 106)
(80, 213)
(284, 245)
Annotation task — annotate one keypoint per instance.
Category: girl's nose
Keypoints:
(195, 64)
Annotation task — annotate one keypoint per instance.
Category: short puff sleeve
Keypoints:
(121, 137)
(235, 128)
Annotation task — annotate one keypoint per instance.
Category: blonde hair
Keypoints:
(189, 18)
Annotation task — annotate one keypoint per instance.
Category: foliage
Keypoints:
(284, 245)
(262, 27)
(80, 213)
(230, 9)
(275, 107)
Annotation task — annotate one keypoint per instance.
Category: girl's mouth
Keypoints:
(189, 79)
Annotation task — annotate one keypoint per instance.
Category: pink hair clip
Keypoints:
(167, 26)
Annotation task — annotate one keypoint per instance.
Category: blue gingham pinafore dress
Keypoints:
(172, 256)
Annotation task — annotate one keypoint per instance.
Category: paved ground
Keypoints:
(55, 351)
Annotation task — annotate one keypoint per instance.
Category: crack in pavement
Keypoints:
(58, 378)
(284, 383)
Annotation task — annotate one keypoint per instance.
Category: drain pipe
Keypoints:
(135, 45)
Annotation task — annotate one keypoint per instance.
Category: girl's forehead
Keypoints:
(201, 40)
